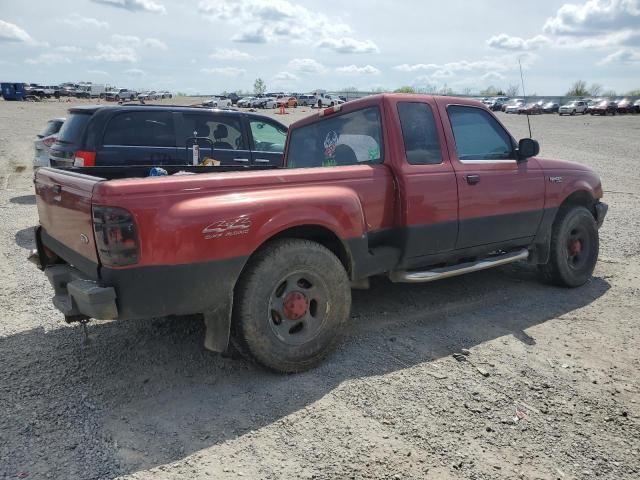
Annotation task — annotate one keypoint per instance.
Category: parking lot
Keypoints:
(551, 387)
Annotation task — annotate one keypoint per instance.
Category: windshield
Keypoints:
(73, 128)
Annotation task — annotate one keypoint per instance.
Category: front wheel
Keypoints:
(291, 304)
(574, 248)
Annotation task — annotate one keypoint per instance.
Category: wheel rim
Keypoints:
(298, 308)
(578, 248)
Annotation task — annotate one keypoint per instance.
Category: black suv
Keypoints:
(165, 135)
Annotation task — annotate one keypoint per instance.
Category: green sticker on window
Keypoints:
(374, 153)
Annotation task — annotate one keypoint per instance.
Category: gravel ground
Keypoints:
(550, 388)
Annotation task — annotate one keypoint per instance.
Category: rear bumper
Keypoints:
(601, 212)
(78, 297)
(84, 289)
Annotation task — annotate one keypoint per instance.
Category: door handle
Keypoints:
(472, 179)
(262, 160)
(243, 160)
(57, 189)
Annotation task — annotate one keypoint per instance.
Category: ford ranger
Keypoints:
(416, 188)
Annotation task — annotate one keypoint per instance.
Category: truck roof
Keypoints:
(379, 98)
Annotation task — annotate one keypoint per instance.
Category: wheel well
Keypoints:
(321, 235)
(580, 198)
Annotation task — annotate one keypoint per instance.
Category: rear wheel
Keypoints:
(574, 248)
(291, 304)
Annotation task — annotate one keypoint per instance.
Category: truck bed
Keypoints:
(142, 171)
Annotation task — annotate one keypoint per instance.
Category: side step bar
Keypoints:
(446, 272)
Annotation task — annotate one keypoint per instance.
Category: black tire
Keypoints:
(117, 98)
(263, 328)
(570, 265)
(573, 113)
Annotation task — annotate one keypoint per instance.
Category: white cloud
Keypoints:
(507, 42)
(118, 53)
(135, 72)
(98, 72)
(226, 71)
(348, 45)
(68, 49)
(76, 20)
(492, 76)
(48, 59)
(624, 56)
(135, 5)
(154, 43)
(594, 16)
(415, 67)
(284, 79)
(13, 33)
(229, 54)
(266, 21)
(355, 70)
(608, 40)
(306, 65)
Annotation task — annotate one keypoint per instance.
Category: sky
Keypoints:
(210, 46)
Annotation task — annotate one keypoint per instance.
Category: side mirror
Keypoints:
(527, 148)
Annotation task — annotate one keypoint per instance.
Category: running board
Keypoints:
(460, 269)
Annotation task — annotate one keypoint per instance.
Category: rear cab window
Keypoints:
(74, 127)
(421, 143)
(349, 139)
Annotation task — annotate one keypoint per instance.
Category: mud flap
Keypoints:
(218, 326)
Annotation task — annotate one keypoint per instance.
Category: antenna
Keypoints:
(525, 97)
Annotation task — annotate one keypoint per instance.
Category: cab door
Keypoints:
(500, 199)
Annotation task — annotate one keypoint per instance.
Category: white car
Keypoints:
(514, 107)
(245, 101)
(571, 108)
(43, 143)
(218, 101)
(325, 100)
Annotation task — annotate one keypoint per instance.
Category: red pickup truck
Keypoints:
(413, 187)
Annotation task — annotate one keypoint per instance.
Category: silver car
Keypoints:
(43, 143)
(571, 108)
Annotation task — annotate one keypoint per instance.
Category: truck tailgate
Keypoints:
(64, 207)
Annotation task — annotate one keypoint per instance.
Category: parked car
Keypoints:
(605, 107)
(495, 105)
(625, 106)
(573, 107)
(121, 94)
(218, 101)
(234, 98)
(512, 102)
(326, 100)
(245, 102)
(306, 100)
(514, 107)
(45, 139)
(35, 90)
(288, 102)
(636, 106)
(103, 135)
(164, 94)
(151, 95)
(91, 90)
(551, 107)
(268, 257)
(534, 108)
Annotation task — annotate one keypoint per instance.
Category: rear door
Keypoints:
(267, 141)
(139, 138)
(221, 137)
(499, 198)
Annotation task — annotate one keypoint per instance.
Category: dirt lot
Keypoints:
(551, 388)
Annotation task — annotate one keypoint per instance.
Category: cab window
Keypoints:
(267, 137)
(421, 143)
(224, 132)
(350, 139)
(478, 135)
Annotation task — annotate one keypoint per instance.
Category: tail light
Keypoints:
(85, 159)
(116, 236)
(49, 141)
